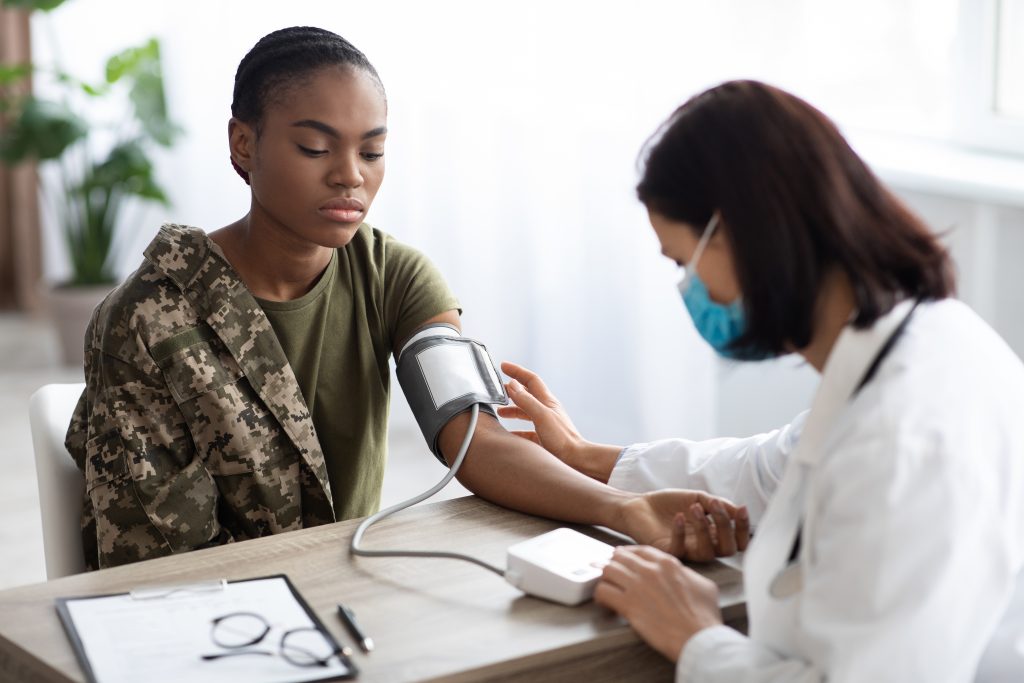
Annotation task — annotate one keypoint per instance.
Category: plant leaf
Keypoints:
(149, 99)
(74, 82)
(42, 130)
(91, 90)
(127, 169)
(13, 73)
(44, 5)
(151, 108)
(132, 60)
(143, 67)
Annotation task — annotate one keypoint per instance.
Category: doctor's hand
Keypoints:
(691, 525)
(553, 429)
(665, 602)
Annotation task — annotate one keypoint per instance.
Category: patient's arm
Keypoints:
(519, 474)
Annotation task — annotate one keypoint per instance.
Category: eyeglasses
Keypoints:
(238, 632)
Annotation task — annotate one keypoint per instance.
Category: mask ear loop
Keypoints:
(704, 239)
(699, 251)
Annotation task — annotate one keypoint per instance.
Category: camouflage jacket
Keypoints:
(192, 430)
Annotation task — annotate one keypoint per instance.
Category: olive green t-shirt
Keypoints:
(338, 339)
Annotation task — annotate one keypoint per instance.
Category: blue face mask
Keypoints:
(719, 324)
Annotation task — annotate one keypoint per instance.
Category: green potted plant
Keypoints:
(99, 166)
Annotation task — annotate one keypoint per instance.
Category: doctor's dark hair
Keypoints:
(796, 202)
(283, 60)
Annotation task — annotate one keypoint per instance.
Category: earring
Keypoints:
(240, 171)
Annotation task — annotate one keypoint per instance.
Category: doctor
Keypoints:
(889, 520)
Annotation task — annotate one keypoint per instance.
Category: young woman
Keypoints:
(890, 518)
(237, 383)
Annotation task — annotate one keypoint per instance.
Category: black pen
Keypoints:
(349, 619)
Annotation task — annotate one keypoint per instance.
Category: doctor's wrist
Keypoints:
(594, 460)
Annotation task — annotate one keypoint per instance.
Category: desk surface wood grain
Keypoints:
(431, 619)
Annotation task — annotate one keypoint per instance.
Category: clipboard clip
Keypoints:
(155, 592)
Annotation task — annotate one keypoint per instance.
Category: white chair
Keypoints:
(61, 484)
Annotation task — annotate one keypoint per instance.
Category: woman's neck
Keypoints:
(272, 265)
(834, 307)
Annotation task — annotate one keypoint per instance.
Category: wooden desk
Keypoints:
(431, 619)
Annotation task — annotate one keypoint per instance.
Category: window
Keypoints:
(1009, 67)
(990, 99)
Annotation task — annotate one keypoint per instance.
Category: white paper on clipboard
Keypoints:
(121, 639)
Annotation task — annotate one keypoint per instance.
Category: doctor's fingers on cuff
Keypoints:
(530, 379)
(523, 399)
(514, 412)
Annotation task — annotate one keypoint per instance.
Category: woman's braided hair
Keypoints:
(280, 61)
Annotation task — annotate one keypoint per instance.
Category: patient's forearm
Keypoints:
(519, 474)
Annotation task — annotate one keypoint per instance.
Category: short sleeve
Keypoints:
(414, 290)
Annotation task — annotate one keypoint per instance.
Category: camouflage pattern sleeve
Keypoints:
(147, 492)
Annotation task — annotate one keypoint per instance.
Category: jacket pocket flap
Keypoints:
(104, 459)
(202, 366)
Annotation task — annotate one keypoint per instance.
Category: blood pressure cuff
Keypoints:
(443, 374)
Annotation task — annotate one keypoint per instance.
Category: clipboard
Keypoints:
(159, 634)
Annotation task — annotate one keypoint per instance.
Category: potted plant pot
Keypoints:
(71, 308)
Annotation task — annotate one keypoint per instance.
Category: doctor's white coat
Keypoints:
(913, 517)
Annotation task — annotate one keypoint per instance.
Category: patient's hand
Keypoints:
(552, 427)
(691, 525)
